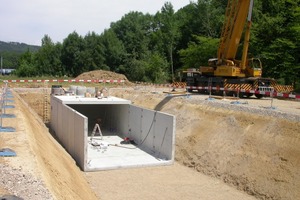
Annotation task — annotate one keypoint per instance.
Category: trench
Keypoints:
(251, 152)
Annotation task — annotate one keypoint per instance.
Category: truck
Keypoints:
(226, 74)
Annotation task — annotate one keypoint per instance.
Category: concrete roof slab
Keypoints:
(92, 100)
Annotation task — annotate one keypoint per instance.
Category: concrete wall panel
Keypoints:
(71, 130)
(65, 126)
(71, 133)
(148, 128)
(114, 117)
(54, 118)
(60, 122)
(135, 125)
(154, 131)
(121, 111)
(165, 136)
(80, 140)
(92, 112)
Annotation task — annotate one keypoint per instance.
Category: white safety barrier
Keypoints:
(66, 80)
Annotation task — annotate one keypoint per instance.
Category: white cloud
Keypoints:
(29, 20)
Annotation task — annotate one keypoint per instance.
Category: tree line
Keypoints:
(153, 48)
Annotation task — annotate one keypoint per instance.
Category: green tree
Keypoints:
(169, 30)
(114, 51)
(157, 68)
(136, 69)
(94, 52)
(199, 52)
(10, 59)
(276, 38)
(27, 65)
(132, 31)
(72, 55)
(48, 58)
(204, 18)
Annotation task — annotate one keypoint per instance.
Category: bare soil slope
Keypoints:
(248, 149)
(41, 156)
(259, 155)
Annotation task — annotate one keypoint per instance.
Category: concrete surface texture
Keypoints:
(223, 151)
(153, 132)
(70, 127)
(108, 153)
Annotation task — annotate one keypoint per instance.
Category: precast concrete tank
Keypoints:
(73, 89)
(81, 90)
(57, 90)
(91, 91)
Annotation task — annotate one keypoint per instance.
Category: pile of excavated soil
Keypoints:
(102, 75)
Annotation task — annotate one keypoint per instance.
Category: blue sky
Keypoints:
(28, 21)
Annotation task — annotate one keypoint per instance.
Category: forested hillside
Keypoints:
(17, 47)
(155, 47)
(11, 52)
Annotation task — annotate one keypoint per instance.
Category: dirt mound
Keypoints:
(102, 75)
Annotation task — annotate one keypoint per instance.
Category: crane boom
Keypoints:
(226, 64)
(247, 37)
(235, 17)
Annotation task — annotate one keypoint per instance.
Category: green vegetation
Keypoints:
(12, 51)
(17, 47)
(153, 48)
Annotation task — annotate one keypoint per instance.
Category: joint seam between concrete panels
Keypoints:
(156, 128)
(79, 151)
(174, 138)
(85, 143)
(148, 125)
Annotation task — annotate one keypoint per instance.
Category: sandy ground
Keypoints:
(221, 153)
(40, 155)
(168, 182)
(249, 146)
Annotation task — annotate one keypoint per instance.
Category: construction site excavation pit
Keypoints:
(107, 133)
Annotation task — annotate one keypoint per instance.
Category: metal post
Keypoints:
(3, 100)
(209, 86)
(4, 129)
(272, 94)
(2, 104)
(1, 109)
(1, 64)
